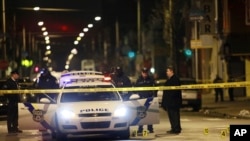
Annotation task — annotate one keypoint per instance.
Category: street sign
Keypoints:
(195, 44)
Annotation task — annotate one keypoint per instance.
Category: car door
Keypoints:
(37, 116)
(144, 111)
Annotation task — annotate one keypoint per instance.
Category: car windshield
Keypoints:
(89, 96)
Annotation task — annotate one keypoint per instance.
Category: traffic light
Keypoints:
(131, 54)
(188, 52)
(36, 69)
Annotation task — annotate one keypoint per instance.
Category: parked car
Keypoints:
(190, 97)
(3, 105)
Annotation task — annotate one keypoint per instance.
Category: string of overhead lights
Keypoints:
(78, 39)
(73, 52)
(45, 33)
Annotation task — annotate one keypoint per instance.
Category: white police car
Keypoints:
(86, 105)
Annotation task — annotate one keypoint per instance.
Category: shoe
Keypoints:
(19, 131)
(173, 132)
(151, 131)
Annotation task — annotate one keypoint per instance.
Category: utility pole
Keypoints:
(139, 26)
(4, 31)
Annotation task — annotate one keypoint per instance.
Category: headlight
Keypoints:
(120, 112)
(66, 114)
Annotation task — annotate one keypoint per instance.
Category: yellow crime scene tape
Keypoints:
(182, 87)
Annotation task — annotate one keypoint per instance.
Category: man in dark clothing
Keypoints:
(119, 79)
(145, 80)
(172, 100)
(47, 81)
(218, 91)
(12, 114)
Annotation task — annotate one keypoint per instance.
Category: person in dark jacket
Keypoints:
(218, 91)
(119, 79)
(12, 113)
(47, 81)
(172, 100)
(145, 80)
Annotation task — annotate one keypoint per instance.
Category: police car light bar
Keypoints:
(81, 73)
(82, 76)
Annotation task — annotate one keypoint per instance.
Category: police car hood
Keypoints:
(91, 107)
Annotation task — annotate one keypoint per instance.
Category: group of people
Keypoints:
(45, 81)
(172, 99)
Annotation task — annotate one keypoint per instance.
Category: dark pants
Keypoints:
(150, 128)
(231, 94)
(12, 117)
(219, 93)
(174, 118)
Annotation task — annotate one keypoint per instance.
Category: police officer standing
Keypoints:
(119, 79)
(47, 81)
(145, 80)
(12, 114)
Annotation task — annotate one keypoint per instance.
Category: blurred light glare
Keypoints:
(78, 38)
(70, 56)
(43, 28)
(48, 52)
(47, 41)
(76, 42)
(48, 47)
(90, 25)
(67, 62)
(81, 34)
(45, 33)
(66, 67)
(47, 38)
(36, 8)
(40, 23)
(98, 18)
(45, 58)
(85, 29)
(50, 68)
(74, 51)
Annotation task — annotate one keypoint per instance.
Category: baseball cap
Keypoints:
(14, 72)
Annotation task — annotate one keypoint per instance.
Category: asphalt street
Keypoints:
(212, 122)
(239, 108)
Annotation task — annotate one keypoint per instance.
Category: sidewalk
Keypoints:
(239, 108)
